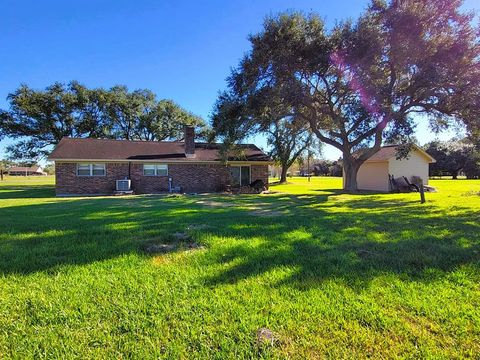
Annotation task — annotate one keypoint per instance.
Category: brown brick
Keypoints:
(190, 177)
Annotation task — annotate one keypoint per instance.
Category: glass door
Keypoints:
(240, 175)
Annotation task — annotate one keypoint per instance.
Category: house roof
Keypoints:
(34, 168)
(389, 151)
(128, 150)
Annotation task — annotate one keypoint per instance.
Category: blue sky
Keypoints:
(182, 50)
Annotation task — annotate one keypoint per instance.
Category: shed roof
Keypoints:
(389, 151)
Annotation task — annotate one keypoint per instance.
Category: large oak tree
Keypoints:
(41, 118)
(366, 81)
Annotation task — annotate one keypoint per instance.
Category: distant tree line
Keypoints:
(328, 168)
(41, 118)
(455, 157)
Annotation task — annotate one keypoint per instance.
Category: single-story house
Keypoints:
(93, 166)
(26, 171)
(374, 173)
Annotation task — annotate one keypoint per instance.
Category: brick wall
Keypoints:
(190, 177)
(259, 172)
(67, 181)
(142, 184)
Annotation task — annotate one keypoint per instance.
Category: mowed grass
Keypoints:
(333, 275)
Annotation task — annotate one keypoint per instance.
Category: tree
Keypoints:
(364, 81)
(166, 120)
(5, 164)
(234, 119)
(25, 151)
(453, 157)
(49, 168)
(42, 118)
(471, 167)
(124, 110)
(336, 169)
(321, 167)
(288, 142)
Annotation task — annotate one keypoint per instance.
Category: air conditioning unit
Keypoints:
(124, 185)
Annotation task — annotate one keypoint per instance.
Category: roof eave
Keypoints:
(193, 161)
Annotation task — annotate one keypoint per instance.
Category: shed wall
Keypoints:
(415, 165)
(373, 176)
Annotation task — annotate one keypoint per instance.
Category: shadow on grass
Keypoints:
(356, 242)
(353, 238)
(26, 192)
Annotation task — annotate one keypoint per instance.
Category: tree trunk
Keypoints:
(350, 171)
(454, 175)
(283, 174)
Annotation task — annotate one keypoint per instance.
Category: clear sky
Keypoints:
(182, 50)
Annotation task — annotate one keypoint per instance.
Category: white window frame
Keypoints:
(249, 174)
(156, 169)
(90, 168)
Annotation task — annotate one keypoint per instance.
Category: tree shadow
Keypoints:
(353, 238)
(75, 231)
(25, 192)
(362, 240)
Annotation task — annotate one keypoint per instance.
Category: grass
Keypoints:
(332, 275)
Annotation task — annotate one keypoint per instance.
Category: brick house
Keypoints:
(92, 166)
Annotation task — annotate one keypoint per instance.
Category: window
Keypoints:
(98, 169)
(240, 175)
(149, 170)
(155, 169)
(90, 169)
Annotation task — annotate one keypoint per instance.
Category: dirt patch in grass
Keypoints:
(194, 227)
(266, 337)
(266, 213)
(471, 193)
(181, 236)
(263, 209)
(180, 240)
(159, 248)
(155, 249)
(212, 203)
(362, 253)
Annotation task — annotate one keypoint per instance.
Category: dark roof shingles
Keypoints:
(106, 149)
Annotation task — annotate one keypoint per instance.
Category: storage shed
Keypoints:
(373, 174)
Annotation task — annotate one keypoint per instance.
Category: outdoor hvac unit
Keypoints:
(123, 185)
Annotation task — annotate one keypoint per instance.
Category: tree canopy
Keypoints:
(42, 118)
(453, 157)
(364, 81)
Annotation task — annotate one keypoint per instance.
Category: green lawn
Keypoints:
(332, 275)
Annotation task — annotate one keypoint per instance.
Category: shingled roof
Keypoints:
(389, 151)
(126, 150)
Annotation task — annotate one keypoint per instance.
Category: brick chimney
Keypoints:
(189, 141)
